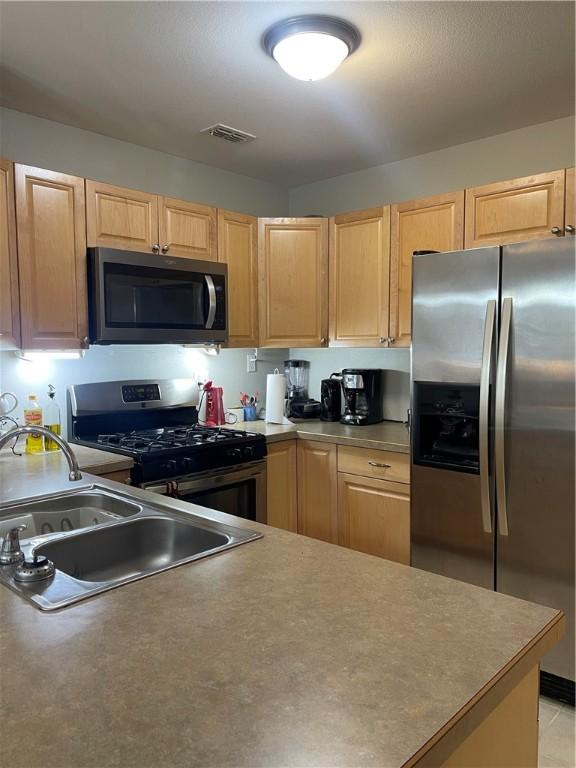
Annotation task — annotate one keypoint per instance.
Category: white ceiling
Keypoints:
(427, 75)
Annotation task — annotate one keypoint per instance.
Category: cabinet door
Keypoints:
(187, 229)
(374, 517)
(238, 247)
(9, 309)
(359, 278)
(122, 218)
(570, 213)
(515, 210)
(317, 490)
(51, 259)
(429, 224)
(293, 280)
(281, 484)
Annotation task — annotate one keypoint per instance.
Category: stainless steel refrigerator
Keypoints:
(493, 423)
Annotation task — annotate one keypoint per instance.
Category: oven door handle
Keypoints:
(212, 301)
(214, 479)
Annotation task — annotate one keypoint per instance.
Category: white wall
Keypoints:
(46, 144)
(113, 363)
(543, 147)
(396, 363)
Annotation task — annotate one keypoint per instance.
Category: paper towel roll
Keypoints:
(275, 394)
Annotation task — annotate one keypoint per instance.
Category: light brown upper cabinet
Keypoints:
(359, 278)
(121, 218)
(117, 217)
(428, 224)
(9, 309)
(187, 229)
(317, 490)
(51, 259)
(238, 247)
(531, 208)
(293, 280)
(570, 213)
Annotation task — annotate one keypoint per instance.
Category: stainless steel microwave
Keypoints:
(145, 298)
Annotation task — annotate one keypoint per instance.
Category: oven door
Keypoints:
(143, 298)
(239, 490)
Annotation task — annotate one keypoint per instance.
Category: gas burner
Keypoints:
(114, 439)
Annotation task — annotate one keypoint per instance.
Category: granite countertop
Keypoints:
(285, 651)
(387, 435)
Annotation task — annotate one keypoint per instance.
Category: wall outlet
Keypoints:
(250, 363)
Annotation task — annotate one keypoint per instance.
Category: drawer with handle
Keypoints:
(368, 462)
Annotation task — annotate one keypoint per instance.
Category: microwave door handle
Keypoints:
(484, 416)
(499, 421)
(211, 301)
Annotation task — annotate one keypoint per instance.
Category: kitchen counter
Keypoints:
(387, 435)
(35, 470)
(286, 651)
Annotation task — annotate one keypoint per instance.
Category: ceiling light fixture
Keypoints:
(311, 47)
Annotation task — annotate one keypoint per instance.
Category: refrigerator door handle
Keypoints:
(484, 416)
(499, 438)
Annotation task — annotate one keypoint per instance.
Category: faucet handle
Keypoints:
(10, 552)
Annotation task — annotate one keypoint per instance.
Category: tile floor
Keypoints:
(557, 735)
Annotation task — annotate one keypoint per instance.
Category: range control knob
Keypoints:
(236, 453)
(172, 465)
(249, 452)
(187, 464)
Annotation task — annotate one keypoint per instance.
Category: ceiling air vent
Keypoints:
(229, 134)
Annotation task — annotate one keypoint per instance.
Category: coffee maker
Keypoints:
(298, 404)
(363, 393)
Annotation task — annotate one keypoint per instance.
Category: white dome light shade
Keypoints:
(310, 55)
(311, 47)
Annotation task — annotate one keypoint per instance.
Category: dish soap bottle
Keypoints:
(52, 419)
(33, 418)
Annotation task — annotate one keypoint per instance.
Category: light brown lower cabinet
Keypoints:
(317, 490)
(119, 476)
(281, 484)
(374, 517)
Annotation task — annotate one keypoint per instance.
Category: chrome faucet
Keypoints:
(10, 552)
(74, 473)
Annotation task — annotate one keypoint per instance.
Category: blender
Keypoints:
(298, 404)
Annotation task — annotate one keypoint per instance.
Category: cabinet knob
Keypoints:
(391, 339)
(165, 248)
(323, 340)
(85, 342)
(382, 340)
(156, 248)
(570, 228)
(556, 231)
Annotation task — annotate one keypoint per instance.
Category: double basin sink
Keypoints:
(99, 539)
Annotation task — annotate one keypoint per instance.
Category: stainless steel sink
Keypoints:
(129, 539)
(133, 548)
(66, 512)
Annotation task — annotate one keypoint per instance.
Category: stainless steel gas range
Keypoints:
(156, 424)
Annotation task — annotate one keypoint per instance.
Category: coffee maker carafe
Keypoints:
(363, 393)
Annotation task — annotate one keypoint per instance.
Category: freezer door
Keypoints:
(454, 329)
(536, 456)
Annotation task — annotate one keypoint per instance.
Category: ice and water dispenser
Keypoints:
(445, 426)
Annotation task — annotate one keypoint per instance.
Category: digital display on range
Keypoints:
(140, 393)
